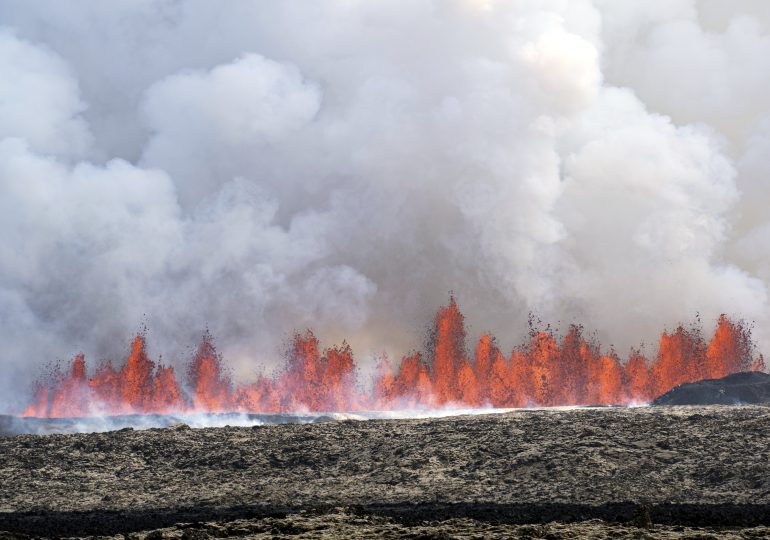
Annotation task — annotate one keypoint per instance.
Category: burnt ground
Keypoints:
(493, 475)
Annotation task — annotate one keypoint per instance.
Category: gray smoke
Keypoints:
(257, 167)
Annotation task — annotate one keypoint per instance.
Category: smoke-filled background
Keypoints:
(260, 167)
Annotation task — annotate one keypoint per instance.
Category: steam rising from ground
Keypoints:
(13, 425)
(260, 167)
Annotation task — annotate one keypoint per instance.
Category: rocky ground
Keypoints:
(687, 471)
(341, 523)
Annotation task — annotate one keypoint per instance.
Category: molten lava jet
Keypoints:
(546, 371)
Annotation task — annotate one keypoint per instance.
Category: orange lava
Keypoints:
(546, 371)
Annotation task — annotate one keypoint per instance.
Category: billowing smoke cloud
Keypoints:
(257, 167)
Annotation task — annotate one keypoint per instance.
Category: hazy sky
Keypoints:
(258, 167)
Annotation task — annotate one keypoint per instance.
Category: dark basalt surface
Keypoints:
(748, 388)
(674, 466)
(342, 523)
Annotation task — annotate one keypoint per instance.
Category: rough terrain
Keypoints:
(745, 388)
(344, 524)
(675, 467)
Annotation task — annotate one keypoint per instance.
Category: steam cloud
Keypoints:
(256, 167)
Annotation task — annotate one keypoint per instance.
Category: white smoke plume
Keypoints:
(257, 167)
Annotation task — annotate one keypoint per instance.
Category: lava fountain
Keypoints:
(547, 370)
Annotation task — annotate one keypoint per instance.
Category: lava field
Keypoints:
(510, 474)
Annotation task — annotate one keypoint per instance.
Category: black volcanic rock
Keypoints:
(746, 388)
(682, 466)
